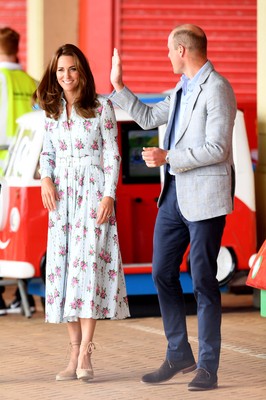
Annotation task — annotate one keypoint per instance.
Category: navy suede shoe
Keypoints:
(203, 381)
(169, 369)
(2, 307)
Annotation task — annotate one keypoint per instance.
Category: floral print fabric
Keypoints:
(84, 275)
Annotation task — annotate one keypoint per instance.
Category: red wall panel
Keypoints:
(230, 25)
(231, 28)
(96, 39)
(13, 14)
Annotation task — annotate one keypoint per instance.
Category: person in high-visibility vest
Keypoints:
(16, 89)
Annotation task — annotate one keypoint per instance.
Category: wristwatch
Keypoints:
(167, 157)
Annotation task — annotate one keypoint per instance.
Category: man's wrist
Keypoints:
(167, 158)
(119, 87)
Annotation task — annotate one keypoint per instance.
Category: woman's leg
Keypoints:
(87, 331)
(74, 332)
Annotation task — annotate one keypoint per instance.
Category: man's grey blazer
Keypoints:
(202, 159)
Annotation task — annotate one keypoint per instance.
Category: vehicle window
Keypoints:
(37, 174)
(21, 153)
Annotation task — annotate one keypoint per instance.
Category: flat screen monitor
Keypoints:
(134, 169)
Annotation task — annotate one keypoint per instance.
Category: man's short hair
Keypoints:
(9, 41)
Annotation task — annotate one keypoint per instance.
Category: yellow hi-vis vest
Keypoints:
(15, 96)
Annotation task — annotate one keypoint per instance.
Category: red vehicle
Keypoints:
(23, 220)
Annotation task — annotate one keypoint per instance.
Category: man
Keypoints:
(196, 196)
(16, 89)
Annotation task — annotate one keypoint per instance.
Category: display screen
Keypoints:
(134, 169)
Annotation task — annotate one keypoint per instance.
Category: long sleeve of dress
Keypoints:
(48, 154)
(110, 157)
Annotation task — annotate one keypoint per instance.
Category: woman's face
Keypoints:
(67, 74)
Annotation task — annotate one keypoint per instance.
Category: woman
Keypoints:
(79, 170)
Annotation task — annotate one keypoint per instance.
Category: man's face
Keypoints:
(174, 55)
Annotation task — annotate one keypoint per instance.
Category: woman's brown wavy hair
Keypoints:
(49, 92)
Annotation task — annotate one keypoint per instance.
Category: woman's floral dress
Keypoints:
(84, 275)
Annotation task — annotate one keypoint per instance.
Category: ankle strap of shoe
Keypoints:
(90, 346)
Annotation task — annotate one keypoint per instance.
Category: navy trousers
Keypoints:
(172, 235)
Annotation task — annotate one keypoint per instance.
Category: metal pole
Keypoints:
(260, 173)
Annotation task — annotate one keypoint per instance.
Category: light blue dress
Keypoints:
(84, 275)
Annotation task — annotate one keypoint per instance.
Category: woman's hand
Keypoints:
(49, 194)
(105, 210)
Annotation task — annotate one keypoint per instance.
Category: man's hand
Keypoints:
(116, 72)
(154, 156)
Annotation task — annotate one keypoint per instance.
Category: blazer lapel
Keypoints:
(175, 100)
(191, 105)
(188, 113)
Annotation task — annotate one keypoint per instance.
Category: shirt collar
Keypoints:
(189, 84)
(10, 65)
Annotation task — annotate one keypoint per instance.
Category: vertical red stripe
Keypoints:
(13, 14)
(96, 39)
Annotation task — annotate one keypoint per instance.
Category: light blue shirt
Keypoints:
(188, 86)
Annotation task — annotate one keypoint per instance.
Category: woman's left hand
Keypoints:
(105, 210)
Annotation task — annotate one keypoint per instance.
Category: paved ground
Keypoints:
(32, 352)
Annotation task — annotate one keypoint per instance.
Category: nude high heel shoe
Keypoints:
(82, 373)
(69, 373)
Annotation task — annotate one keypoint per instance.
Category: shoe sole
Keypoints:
(201, 389)
(61, 378)
(85, 378)
(13, 311)
(183, 371)
(84, 375)
(18, 311)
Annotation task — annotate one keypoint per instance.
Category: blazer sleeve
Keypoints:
(147, 117)
(205, 137)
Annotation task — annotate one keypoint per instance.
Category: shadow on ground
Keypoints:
(148, 306)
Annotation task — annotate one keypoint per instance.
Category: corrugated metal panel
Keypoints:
(230, 25)
(13, 14)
